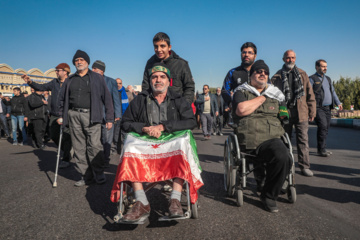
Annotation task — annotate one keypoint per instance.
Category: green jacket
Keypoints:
(261, 125)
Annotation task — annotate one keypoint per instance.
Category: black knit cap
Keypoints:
(259, 64)
(81, 54)
(99, 65)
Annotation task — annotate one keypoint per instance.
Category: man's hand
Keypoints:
(217, 114)
(340, 107)
(311, 119)
(45, 102)
(109, 125)
(8, 115)
(26, 78)
(154, 131)
(60, 121)
(227, 109)
(117, 119)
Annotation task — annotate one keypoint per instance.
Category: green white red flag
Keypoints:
(147, 159)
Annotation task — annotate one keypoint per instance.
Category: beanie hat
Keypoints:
(259, 64)
(63, 66)
(159, 67)
(99, 65)
(81, 54)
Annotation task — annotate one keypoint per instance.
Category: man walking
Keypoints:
(299, 96)
(81, 105)
(208, 109)
(326, 99)
(181, 80)
(4, 110)
(218, 120)
(55, 86)
(108, 134)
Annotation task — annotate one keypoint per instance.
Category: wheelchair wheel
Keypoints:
(194, 210)
(229, 172)
(226, 166)
(291, 194)
(239, 197)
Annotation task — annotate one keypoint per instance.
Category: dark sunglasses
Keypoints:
(262, 71)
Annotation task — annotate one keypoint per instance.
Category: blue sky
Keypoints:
(208, 34)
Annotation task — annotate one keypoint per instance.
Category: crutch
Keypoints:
(58, 158)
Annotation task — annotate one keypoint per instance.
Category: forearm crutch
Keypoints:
(58, 158)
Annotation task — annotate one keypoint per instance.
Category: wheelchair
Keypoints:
(237, 168)
(127, 200)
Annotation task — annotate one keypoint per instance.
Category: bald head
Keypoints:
(289, 58)
(119, 83)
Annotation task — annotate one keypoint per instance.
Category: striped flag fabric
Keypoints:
(147, 159)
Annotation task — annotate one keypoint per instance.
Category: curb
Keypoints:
(347, 123)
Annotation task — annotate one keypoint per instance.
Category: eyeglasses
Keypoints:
(247, 52)
(262, 71)
(58, 70)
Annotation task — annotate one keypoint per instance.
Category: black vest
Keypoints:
(319, 91)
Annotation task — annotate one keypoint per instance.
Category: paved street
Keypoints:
(327, 207)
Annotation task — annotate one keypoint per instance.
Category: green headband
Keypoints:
(160, 69)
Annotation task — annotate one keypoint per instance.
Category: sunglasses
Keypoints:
(262, 71)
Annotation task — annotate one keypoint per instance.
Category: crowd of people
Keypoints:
(92, 108)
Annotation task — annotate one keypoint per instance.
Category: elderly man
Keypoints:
(108, 134)
(81, 105)
(62, 71)
(257, 107)
(299, 96)
(153, 112)
(326, 99)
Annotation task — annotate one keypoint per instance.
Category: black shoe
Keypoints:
(42, 147)
(269, 204)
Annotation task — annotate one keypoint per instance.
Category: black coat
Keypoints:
(37, 108)
(18, 105)
(180, 115)
(181, 80)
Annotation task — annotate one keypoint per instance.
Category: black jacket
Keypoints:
(181, 80)
(54, 87)
(37, 108)
(100, 98)
(18, 105)
(180, 115)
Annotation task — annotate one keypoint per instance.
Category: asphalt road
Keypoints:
(327, 204)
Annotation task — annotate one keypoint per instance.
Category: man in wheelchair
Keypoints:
(153, 112)
(258, 107)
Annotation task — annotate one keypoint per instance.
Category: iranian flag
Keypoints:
(147, 159)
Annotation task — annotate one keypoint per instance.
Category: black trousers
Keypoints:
(66, 139)
(323, 118)
(277, 159)
(38, 134)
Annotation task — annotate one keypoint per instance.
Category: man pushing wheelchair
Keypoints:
(159, 146)
(257, 110)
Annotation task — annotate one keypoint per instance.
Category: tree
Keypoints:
(348, 90)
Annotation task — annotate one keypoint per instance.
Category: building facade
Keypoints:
(10, 78)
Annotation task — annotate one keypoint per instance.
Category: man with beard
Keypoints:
(181, 79)
(81, 105)
(257, 108)
(108, 134)
(240, 74)
(62, 72)
(300, 99)
(326, 99)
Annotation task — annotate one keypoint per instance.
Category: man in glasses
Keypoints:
(300, 100)
(240, 74)
(258, 106)
(62, 72)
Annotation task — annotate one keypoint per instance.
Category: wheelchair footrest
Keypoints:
(166, 218)
(140, 221)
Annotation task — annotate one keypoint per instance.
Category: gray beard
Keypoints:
(290, 65)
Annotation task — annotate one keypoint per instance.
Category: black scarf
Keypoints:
(298, 88)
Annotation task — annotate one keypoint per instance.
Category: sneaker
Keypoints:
(137, 212)
(269, 204)
(214, 134)
(220, 134)
(205, 138)
(15, 143)
(328, 152)
(64, 164)
(323, 153)
(307, 172)
(80, 183)
(21, 144)
(208, 137)
(175, 209)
